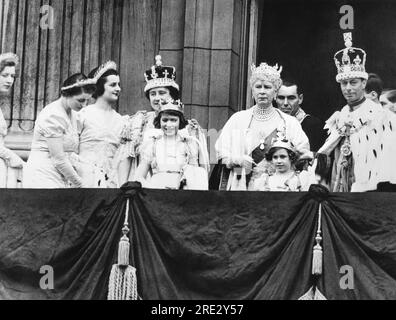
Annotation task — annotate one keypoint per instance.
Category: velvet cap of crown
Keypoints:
(271, 73)
(10, 57)
(160, 76)
(172, 105)
(350, 62)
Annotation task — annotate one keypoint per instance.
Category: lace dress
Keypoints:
(291, 182)
(173, 163)
(140, 126)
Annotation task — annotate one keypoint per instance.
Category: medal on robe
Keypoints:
(262, 146)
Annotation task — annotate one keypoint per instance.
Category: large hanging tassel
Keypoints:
(313, 294)
(123, 280)
(317, 260)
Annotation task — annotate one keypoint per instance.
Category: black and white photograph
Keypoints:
(217, 151)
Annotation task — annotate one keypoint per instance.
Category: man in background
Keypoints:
(374, 87)
(289, 100)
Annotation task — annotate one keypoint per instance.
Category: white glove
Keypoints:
(244, 161)
(13, 160)
(63, 165)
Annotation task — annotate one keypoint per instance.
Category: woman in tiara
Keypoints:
(160, 87)
(170, 154)
(53, 159)
(248, 134)
(100, 129)
(10, 163)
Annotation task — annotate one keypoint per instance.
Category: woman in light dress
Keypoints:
(100, 129)
(170, 154)
(248, 135)
(53, 160)
(284, 177)
(10, 163)
(160, 87)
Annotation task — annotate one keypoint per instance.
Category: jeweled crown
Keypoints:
(160, 76)
(174, 105)
(282, 142)
(351, 61)
(271, 73)
(109, 65)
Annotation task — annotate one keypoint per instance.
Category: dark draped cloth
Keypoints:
(313, 128)
(196, 244)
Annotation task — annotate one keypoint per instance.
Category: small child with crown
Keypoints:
(283, 156)
(171, 154)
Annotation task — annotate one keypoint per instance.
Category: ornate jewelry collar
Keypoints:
(263, 114)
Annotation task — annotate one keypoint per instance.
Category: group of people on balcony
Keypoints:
(263, 148)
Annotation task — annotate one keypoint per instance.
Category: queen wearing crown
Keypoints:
(160, 87)
(361, 136)
(248, 134)
(10, 163)
(170, 154)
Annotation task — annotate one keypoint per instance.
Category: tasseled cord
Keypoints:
(317, 260)
(123, 280)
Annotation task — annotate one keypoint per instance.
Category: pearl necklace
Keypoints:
(263, 114)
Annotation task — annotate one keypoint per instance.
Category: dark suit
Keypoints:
(313, 128)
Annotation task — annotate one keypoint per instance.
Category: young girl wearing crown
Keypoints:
(160, 86)
(170, 154)
(283, 157)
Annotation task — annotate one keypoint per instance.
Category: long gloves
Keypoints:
(243, 161)
(63, 165)
(12, 159)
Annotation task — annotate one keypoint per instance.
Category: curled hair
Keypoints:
(255, 77)
(7, 63)
(174, 93)
(292, 155)
(183, 122)
(90, 89)
(102, 81)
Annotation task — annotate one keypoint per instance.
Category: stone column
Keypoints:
(206, 41)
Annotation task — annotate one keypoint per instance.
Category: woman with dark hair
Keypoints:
(100, 129)
(284, 177)
(170, 154)
(10, 162)
(53, 158)
(160, 87)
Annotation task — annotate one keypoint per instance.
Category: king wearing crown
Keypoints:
(361, 144)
